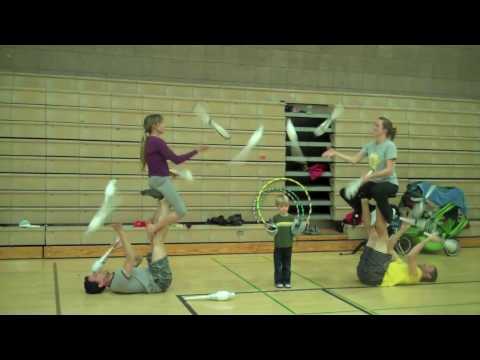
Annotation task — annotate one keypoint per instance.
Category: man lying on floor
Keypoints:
(131, 278)
(379, 264)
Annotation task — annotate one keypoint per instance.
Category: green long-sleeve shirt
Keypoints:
(284, 237)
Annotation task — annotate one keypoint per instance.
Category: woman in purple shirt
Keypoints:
(154, 152)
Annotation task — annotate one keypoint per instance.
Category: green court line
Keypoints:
(328, 312)
(260, 256)
(308, 279)
(302, 276)
(254, 286)
(405, 286)
(425, 306)
(348, 301)
(369, 287)
(187, 305)
(267, 291)
(332, 293)
(57, 289)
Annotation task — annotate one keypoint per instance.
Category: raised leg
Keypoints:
(372, 235)
(175, 200)
(382, 234)
(157, 240)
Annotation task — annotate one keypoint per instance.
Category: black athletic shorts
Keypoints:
(372, 266)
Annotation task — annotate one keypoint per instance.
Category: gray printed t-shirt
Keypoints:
(378, 154)
(139, 282)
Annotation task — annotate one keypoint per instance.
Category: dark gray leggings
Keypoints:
(378, 191)
(166, 187)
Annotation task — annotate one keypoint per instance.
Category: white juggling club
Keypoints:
(337, 112)
(252, 142)
(217, 296)
(106, 209)
(98, 264)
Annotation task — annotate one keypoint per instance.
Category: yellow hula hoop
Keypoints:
(260, 215)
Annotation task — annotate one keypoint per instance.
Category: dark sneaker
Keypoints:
(235, 220)
(219, 220)
(153, 193)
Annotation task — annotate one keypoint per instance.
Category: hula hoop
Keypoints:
(258, 200)
(290, 194)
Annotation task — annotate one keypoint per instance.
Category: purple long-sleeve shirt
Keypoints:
(157, 153)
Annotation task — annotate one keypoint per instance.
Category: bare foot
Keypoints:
(117, 227)
(117, 244)
(148, 230)
(138, 260)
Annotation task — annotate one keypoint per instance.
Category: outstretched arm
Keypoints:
(130, 258)
(99, 263)
(178, 159)
(351, 159)
(412, 256)
(396, 237)
(298, 227)
(173, 173)
(271, 228)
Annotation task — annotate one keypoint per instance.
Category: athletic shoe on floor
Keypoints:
(288, 286)
(279, 285)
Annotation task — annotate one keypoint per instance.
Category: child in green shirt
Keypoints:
(283, 227)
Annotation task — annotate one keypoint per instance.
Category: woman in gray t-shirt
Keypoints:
(383, 182)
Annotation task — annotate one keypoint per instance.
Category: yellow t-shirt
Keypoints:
(398, 274)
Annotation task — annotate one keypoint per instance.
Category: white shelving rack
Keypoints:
(305, 123)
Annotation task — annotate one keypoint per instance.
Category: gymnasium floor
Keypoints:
(323, 284)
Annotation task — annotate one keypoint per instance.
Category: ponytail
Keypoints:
(143, 143)
(388, 126)
(148, 122)
(393, 133)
